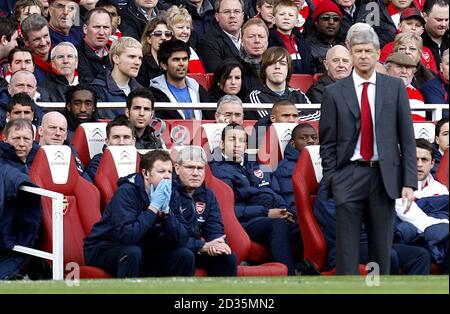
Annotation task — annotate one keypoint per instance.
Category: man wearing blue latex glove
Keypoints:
(198, 211)
(133, 238)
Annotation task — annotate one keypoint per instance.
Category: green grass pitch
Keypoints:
(242, 285)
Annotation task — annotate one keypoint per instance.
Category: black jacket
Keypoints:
(437, 51)
(319, 47)
(315, 92)
(148, 140)
(55, 86)
(149, 69)
(89, 64)
(215, 47)
(303, 65)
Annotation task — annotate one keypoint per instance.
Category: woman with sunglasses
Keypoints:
(179, 19)
(155, 33)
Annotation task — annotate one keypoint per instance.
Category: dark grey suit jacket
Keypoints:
(340, 127)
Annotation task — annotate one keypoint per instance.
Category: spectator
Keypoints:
(259, 208)
(137, 14)
(139, 234)
(255, 40)
(276, 71)
(441, 140)
(206, 235)
(24, 8)
(405, 259)
(265, 12)
(229, 110)
(174, 86)
(428, 216)
(411, 20)
(20, 58)
(81, 107)
(113, 9)
(396, 7)
(302, 135)
(228, 80)
(64, 74)
(327, 22)
(119, 132)
(20, 107)
(53, 131)
(402, 66)
(61, 21)
(411, 45)
(338, 65)
(155, 33)
(435, 90)
(285, 14)
(180, 21)
(126, 59)
(8, 41)
(223, 40)
(202, 17)
(18, 149)
(436, 35)
(37, 37)
(140, 108)
(93, 53)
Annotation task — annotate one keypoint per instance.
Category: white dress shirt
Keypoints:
(358, 81)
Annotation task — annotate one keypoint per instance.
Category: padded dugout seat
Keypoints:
(116, 162)
(442, 170)
(424, 130)
(54, 169)
(89, 139)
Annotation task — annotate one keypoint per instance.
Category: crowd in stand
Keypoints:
(140, 52)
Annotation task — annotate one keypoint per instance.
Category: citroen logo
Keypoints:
(287, 134)
(97, 133)
(58, 155)
(124, 155)
(216, 134)
(423, 133)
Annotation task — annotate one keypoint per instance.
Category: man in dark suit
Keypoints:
(368, 155)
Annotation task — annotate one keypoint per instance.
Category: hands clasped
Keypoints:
(160, 196)
(216, 247)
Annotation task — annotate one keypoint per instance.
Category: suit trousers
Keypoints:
(361, 197)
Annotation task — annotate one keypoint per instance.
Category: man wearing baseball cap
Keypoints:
(411, 20)
(61, 23)
(403, 66)
(327, 22)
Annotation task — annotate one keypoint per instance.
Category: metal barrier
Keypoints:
(57, 256)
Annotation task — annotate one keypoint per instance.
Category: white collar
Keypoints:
(359, 80)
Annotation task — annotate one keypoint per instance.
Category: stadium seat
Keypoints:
(209, 79)
(181, 132)
(442, 170)
(200, 78)
(424, 130)
(236, 236)
(208, 136)
(317, 77)
(116, 162)
(54, 169)
(272, 145)
(89, 139)
(301, 81)
(305, 180)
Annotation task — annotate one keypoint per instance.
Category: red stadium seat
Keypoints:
(181, 132)
(116, 162)
(442, 170)
(89, 139)
(317, 77)
(236, 236)
(54, 169)
(208, 136)
(301, 81)
(209, 79)
(305, 180)
(200, 78)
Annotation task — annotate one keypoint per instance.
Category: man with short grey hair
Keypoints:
(200, 214)
(229, 109)
(367, 148)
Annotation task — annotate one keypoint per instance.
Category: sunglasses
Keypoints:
(326, 18)
(160, 33)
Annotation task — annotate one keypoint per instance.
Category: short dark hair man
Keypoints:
(361, 160)
(137, 235)
(20, 107)
(174, 85)
(81, 106)
(139, 111)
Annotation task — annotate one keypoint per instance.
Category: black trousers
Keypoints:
(360, 197)
(221, 265)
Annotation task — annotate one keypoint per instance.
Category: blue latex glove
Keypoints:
(159, 196)
(168, 193)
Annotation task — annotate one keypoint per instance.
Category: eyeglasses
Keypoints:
(61, 57)
(231, 114)
(229, 12)
(166, 34)
(327, 18)
(60, 6)
(191, 169)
